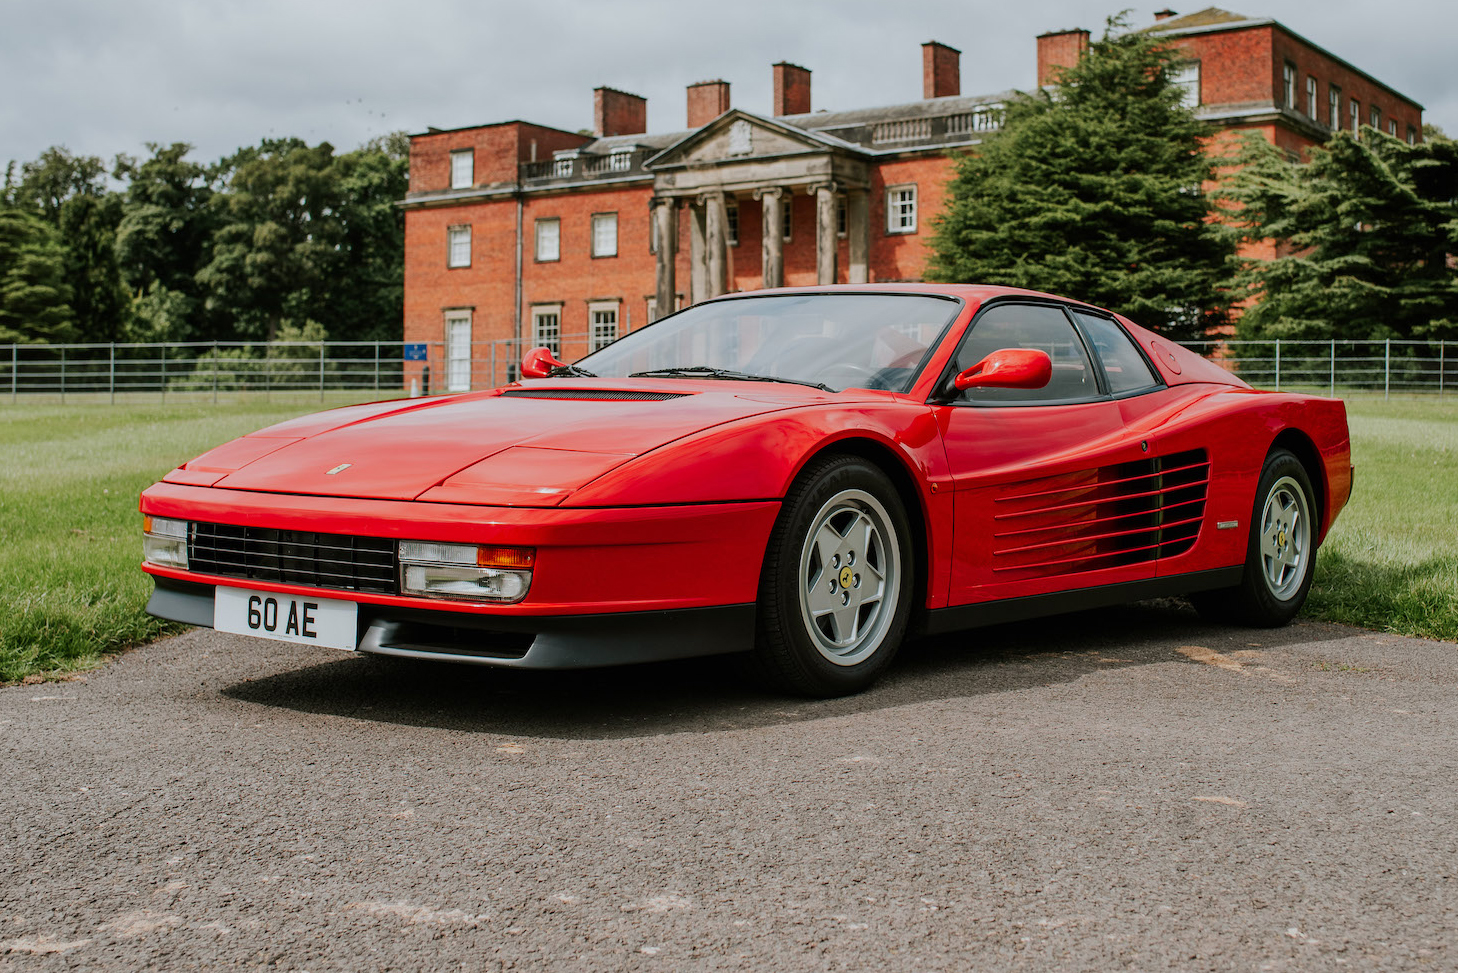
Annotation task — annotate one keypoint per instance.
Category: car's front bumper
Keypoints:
(609, 585)
(524, 642)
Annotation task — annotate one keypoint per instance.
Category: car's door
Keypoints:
(1059, 487)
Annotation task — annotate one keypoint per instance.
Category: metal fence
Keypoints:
(203, 370)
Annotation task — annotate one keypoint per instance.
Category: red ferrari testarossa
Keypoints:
(805, 474)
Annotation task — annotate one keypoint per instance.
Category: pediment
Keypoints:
(737, 136)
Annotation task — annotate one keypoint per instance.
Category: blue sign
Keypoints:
(415, 351)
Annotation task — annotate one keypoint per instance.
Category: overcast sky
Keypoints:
(107, 76)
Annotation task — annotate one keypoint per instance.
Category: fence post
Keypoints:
(377, 366)
(215, 373)
(111, 373)
(14, 372)
(1332, 391)
(493, 366)
(63, 374)
(1386, 369)
(321, 371)
(1278, 364)
(162, 356)
(1442, 365)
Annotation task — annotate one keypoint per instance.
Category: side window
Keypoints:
(1125, 368)
(1030, 326)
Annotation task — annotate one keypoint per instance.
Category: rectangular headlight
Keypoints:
(164, 542)
(465, 572)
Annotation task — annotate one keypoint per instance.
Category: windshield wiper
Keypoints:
(704, 371)
(571, 371)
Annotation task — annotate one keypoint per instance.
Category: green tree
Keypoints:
(368, 301)
(1093, 189)
(70, 193)
(1365, 234)
(34, 297)
(164, 239)
(276, 253)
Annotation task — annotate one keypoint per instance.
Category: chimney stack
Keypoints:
(707, 100)
(1059, 49)
(792, 89)
(941, 70)
(1164, 14)
(616, 112)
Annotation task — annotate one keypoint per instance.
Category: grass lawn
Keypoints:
(70, 535)
(1391, 561)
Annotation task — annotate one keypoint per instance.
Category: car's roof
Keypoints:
(971, 293)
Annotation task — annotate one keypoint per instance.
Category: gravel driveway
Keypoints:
(1117, 789)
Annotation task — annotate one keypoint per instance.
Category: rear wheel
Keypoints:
(835, 592)
(1281, 551)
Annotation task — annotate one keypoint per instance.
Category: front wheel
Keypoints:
(835, 592)
(1281, 551)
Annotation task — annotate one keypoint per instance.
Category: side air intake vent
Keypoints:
(609, 395)
(1101, 518)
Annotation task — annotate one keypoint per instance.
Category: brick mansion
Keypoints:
(530, 234)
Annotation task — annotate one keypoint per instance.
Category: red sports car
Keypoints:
(804, 474)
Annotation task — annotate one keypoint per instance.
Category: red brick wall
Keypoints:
(941, 70)
(1247, 65)
(1059, 49)
(499, 149)
(792, 89)
(707, 100)
(903, 256)
(578, 277)
(616, 112)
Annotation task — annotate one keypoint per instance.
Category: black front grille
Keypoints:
(612, 395)
(302, 557)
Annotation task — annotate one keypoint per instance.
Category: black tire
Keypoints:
(835, 591)
(1280, 551)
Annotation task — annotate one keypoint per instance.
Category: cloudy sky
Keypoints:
(107, 76)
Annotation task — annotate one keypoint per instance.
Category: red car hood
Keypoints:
(485, 448)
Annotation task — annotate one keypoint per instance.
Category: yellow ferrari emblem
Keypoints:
(846, 576)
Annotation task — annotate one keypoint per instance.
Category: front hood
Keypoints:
(501, 447)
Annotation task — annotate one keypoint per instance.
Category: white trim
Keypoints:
(463, 176)
(458, 246)
(556, 239)
(602, 333)
(457, 351)
(549, 335)
(600, 241)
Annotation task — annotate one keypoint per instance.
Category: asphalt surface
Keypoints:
(1124, 789)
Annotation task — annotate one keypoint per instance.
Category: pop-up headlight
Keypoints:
(465, 572)
(164, 542)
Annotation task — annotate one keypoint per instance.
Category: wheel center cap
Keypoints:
(1281, 538)
(846, 576)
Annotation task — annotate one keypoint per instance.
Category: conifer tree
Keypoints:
(1092, 189)
(34, 297)
(1365, 230)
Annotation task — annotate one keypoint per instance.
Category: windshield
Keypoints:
(853, 340)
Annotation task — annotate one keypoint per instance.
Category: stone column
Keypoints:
(665, 212)
(772, 247)
(715, 226)
(858, 232)
(825, 236)
(698, 262)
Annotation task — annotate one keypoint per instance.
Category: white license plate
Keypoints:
(287, 618)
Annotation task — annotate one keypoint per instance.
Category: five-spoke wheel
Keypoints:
(835, 593)
(1280, 553)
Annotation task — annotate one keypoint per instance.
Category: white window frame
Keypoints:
(602, 333)
(901, 208)
(458, 350)
(652, 302)
(1288, 78)
(1354, 110)
(547, 333)
(463, 168)
(1186, 77)
(543, 253)
(600, 241)
(1311, 97)
(458, 246)
(1374, 117)
(1334, 107)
